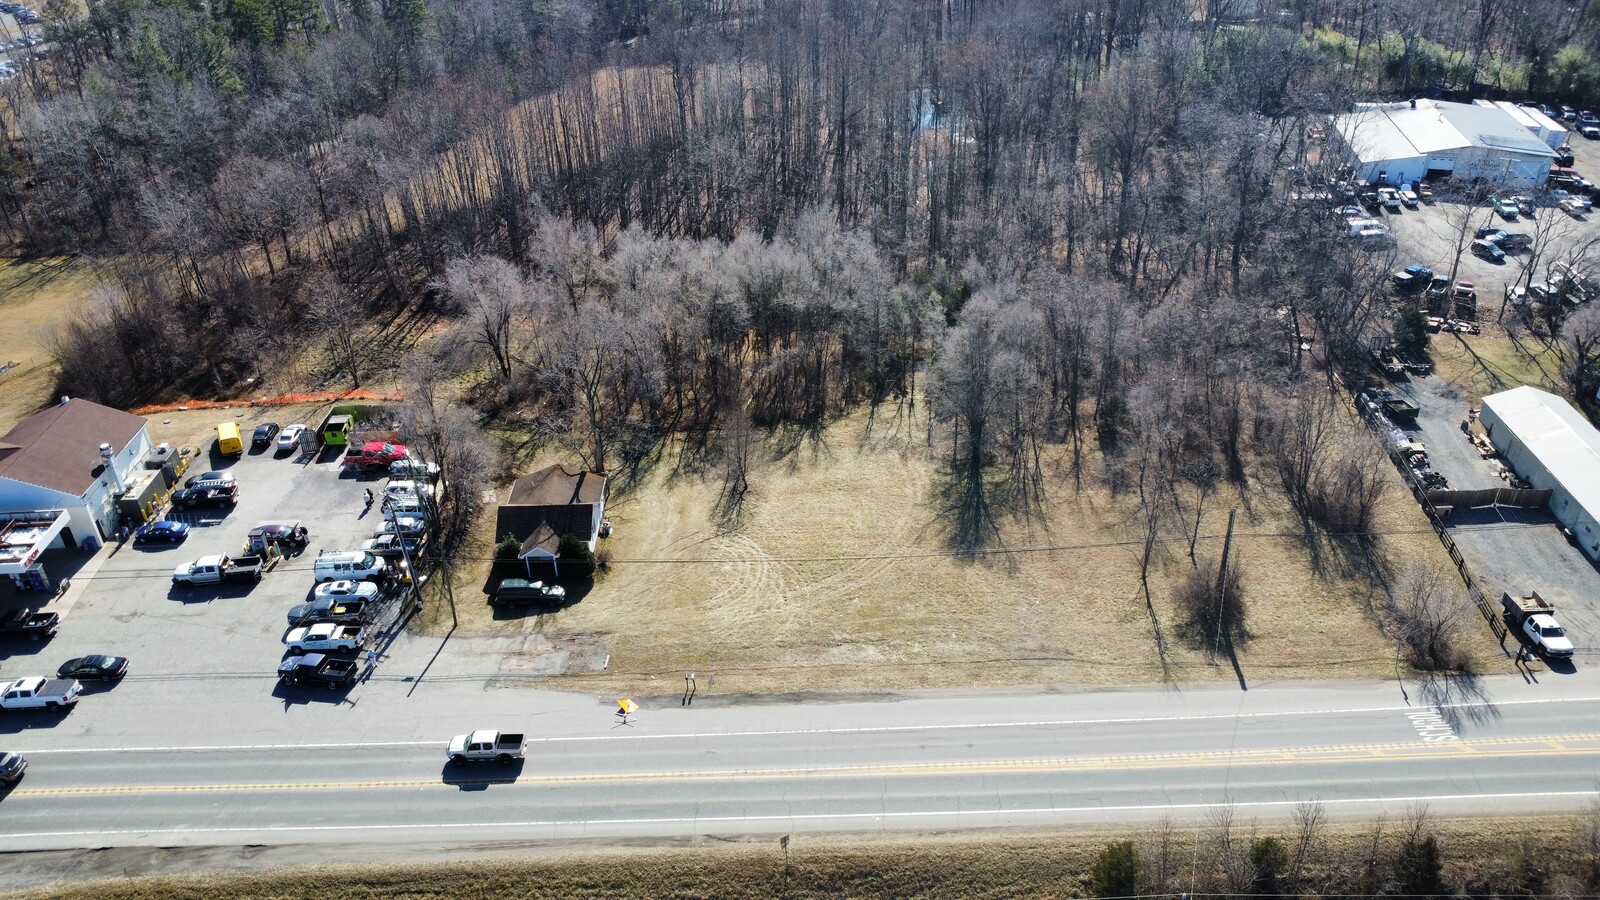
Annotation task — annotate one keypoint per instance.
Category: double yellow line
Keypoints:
(1557, 745)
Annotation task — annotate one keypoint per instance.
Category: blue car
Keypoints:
(165, 532)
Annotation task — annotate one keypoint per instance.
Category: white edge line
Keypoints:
(868, 729)
(806, 817)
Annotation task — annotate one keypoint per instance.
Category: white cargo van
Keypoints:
(349, 565)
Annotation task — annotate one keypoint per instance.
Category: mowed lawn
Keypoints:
(838, 579)
(35, 295)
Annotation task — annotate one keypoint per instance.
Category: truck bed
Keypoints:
(1526, 606)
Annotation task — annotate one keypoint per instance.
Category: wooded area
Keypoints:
(1061, 222)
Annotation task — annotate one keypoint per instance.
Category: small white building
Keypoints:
(1554, 448)
(1394, 143)
(75, 457)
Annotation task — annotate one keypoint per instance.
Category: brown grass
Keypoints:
(992, 864)
(838, 579)
(1492, 362)
(34, 296)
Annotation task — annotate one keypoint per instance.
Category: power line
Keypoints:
(918, 554)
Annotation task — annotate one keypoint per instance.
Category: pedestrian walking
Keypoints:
(372, 657)
(369, 500)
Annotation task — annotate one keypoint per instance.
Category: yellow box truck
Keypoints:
(229, 443)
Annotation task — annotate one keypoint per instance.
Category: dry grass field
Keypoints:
(1491, 362)
(1474, 852)
(34, 296)
(837, 579)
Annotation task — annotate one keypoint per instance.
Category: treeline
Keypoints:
(652, 220)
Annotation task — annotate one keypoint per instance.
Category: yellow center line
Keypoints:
(1407, 752)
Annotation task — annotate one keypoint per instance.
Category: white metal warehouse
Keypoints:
(1408, 141)
(1555, 448)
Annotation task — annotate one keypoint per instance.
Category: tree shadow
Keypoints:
(969, 515)
(1460, 698)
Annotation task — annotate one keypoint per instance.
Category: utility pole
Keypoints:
(1222, 570)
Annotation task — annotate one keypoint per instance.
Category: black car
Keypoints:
(99, 668)
(205, 496)
(222, 477)
(12, 766)
(265, 432)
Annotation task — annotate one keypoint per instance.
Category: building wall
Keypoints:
(1520, 458)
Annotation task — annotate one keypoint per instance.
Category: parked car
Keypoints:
(375, 454)
(1587, 117)
(290, 437)
(1592, 132)
(161, 533)
(1511, 240)
(519, 591)
(393, 546)
(1568, 113)
(264, 434)
(1411, 279)
(417, 469)
(1524, 204)
(1564, 157)
(99, 668)
(1488, 250)
(34, 692)
(345, 590)
(411, 525)
(205, 496)
(291, 534)
(326, 637)
(1487, 232)
(1506, 207)
(12, 767)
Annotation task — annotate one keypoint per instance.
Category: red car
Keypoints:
(375, 453)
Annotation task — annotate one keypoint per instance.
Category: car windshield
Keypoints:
(1553, 631)
(98, 662)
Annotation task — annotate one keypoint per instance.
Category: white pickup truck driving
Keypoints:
(484, 745)
(40, 693)
(326, 637)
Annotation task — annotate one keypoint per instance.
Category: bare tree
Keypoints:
(340, 323)
(1428, 614)
(1579, 348)
(494, 299)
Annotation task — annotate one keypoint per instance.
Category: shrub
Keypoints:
(1419, 871)
(1268, 859)
(1116, 871)
(1411, 331)
(1207, 615)
(508, 548)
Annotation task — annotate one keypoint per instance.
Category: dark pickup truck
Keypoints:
(330, 609)
(24, 623)
(319, 668)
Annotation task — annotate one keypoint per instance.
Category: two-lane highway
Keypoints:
(936, 762)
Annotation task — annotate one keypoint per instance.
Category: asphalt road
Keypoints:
(365, 773)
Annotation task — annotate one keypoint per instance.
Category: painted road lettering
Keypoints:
(1432, 727)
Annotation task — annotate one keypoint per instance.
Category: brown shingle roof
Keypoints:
(556, 486)
(543, 538)
(554, 498)
(59, 448)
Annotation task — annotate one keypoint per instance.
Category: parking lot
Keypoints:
(125, 604)
(1428, 235)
